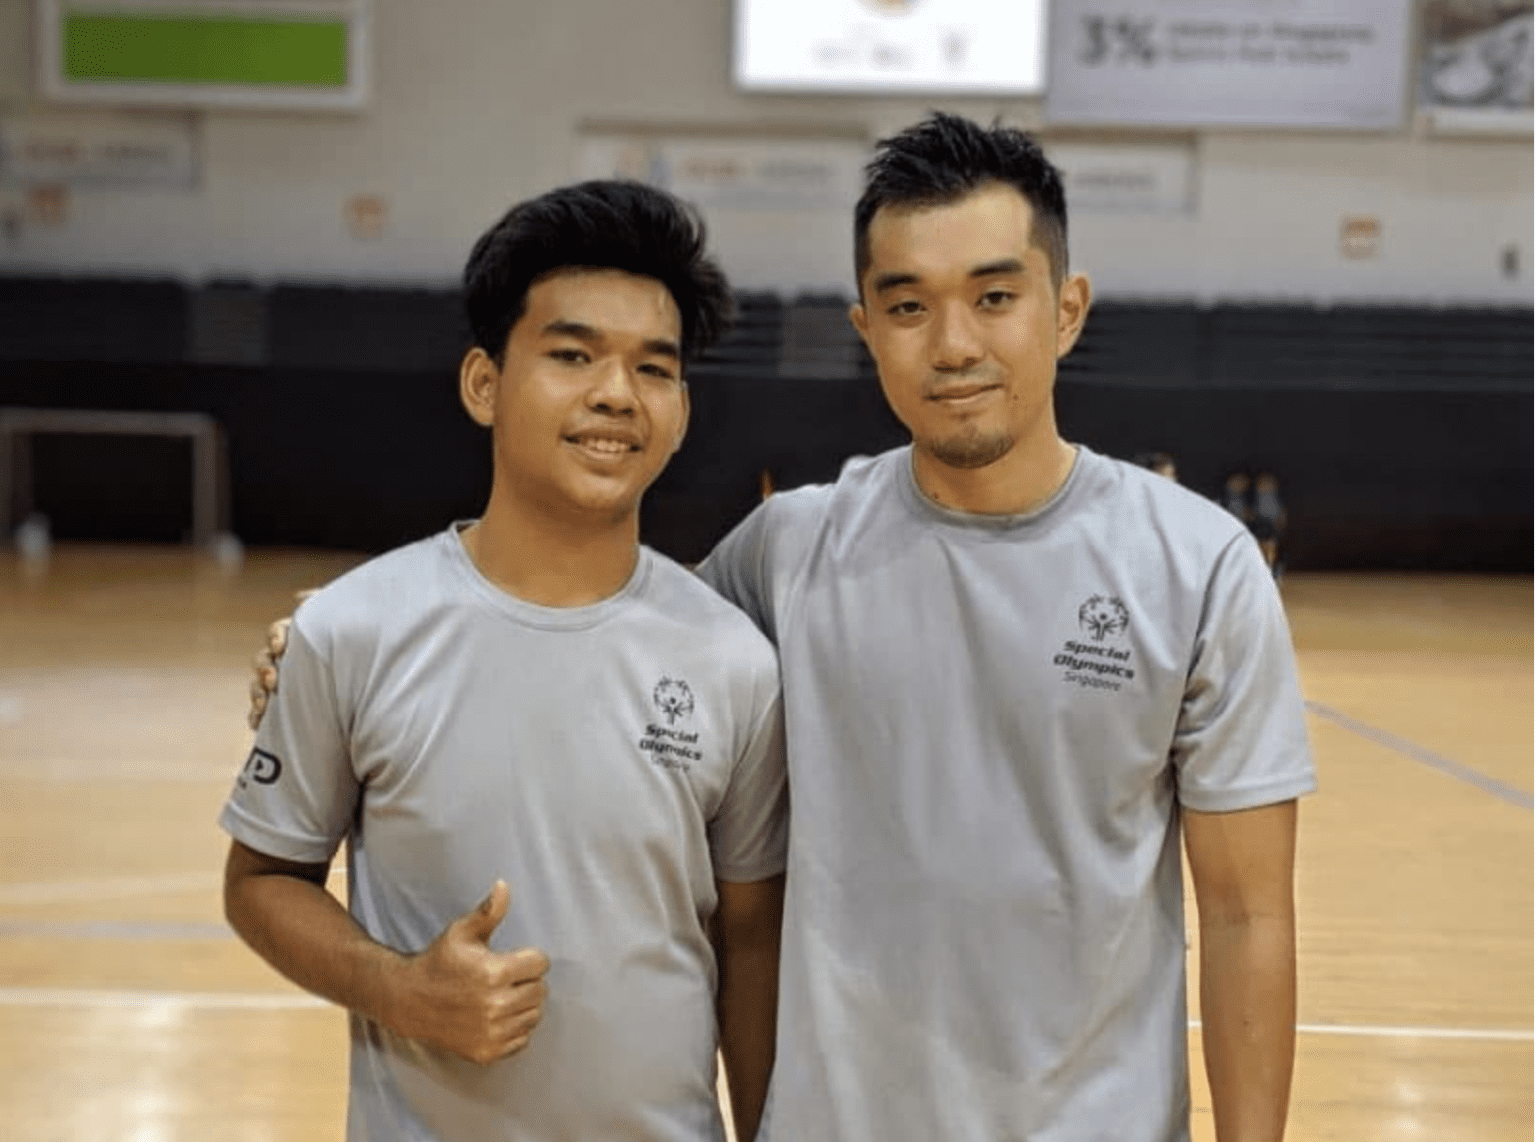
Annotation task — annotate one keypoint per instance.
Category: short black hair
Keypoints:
(944, 158)
(602, 224)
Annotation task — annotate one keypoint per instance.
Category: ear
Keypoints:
(1072, 304)
(479, 378)
(858, 316)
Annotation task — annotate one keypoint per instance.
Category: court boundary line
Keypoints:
(299, 1001)
(1412, 750)
(106, 887)
(122, 887)
(1385, 1031)
(75, 997)
(114, 929)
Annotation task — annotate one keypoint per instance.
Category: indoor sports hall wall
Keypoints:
(1391, 393)
(478, 103)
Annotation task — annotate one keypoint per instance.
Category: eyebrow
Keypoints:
(892, 280)
(1001, 266)
(583, 332)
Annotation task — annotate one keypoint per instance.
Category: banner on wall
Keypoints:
(98, 150)
(883, 46)
(755, 174)
(1474, 74)
(1139, 178)
(1229, 63)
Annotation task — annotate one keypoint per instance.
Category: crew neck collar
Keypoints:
(536, 614)
(984, 523)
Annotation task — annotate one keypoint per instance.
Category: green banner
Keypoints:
(244, 51)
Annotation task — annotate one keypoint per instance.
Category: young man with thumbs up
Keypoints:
(555, 756)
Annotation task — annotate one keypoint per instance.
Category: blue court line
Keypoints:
(113, 930)
(1507, 793)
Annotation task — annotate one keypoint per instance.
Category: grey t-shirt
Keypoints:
(610, 762)
(992, 723)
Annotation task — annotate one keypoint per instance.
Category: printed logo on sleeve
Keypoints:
(261, 767)
(674, 745)
(1099, 664)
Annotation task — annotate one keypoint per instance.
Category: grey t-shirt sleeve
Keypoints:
(296, 796)
(737, 568)
(1241, 738)
(749, 833)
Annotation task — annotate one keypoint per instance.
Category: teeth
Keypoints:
(602, 444)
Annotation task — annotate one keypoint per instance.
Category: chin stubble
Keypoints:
(971, 450)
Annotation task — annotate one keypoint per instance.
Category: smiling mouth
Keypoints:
(961, 393)
(604, 445)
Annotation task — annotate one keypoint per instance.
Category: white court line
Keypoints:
(198, 1000)
(105, 887)
(1479, 1034)
(135, 769)
(121, 887)
(268, 1001)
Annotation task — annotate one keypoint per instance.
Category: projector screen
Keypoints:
(974, 47)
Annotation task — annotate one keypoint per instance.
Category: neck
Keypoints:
(1028, 475)
(552, 562)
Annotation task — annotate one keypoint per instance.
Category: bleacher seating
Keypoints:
(91, 319)
(818, 339)
(1128, 343)
(372, 328)
(366, 328)
(227, 324)
(1402, 432)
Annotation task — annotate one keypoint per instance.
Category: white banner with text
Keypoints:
(1229, 63)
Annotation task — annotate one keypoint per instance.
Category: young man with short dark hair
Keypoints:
(1013, 669)
(534, 706)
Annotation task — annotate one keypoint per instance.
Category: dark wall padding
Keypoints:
(1403, 438)
(1402, 479)
(68, 319)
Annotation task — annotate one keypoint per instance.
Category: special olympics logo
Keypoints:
(1103, 616)
(674, 699)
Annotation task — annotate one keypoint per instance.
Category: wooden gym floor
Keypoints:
(128, 1011)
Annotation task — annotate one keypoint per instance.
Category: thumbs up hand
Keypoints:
(461, 996)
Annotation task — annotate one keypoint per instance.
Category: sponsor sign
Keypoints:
(735, 173)
(1126, 179)
(961, 46)
(99, 150)
(1233, 63)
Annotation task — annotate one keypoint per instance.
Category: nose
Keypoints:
(613, 389)
(957, 343)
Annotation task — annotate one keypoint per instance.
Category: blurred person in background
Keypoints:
(1160, 462)
(556, 757)
(1017, 674)
(1268, 524)
(1237, 497)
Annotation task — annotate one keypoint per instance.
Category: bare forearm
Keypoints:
(1248, 1015)
(747, 1007)
(304, 932)
(747, 952)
